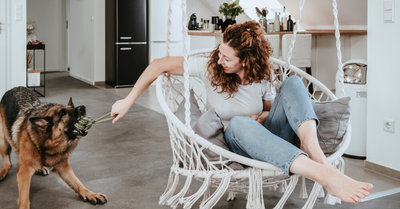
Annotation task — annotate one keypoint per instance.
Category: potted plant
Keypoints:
(231, 10)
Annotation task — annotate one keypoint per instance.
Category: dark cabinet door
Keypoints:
(131, 21)
(131, 62)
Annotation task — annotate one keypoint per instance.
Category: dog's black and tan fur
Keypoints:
(42, 134)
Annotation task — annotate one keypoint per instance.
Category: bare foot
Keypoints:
(344, 187)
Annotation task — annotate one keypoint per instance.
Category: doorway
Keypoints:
(49, 17)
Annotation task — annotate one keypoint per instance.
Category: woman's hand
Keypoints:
(257, 118)
(260, 118)
(119, 109)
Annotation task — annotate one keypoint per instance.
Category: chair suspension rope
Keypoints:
(338, 45)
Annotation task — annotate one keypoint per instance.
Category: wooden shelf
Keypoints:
(312, 32)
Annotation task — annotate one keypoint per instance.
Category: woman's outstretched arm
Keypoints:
(171, 65)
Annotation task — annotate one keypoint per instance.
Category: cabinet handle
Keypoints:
(0, 27)
(125, 49)
(361, 94)
(125, 37)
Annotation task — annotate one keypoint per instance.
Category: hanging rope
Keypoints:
(339, 53)
(289, 55)
(186, 65)
(86, 122)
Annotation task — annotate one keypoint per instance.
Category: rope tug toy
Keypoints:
(86, 122)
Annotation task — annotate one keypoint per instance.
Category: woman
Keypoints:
(240, 82)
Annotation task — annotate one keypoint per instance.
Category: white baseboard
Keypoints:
(81, 79)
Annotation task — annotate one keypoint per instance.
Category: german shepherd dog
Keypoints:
(42, 135)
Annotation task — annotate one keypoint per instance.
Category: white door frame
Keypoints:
(4, 31)
(68, 34)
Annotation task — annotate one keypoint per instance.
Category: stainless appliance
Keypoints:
(355, 83)
(126, 41)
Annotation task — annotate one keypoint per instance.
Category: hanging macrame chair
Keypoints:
(189, 159)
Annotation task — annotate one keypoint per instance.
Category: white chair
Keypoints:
(274, 40)
(301, 55)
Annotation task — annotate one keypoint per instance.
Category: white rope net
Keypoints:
(188, 149)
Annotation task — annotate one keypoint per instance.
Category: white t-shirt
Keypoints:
(246, 102)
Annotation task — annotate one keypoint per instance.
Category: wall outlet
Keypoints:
(388, 125)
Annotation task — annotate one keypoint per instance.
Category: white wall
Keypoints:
(383, 85)
(87, 29)
(81, 28)
(318, 14)
(51, 29)
(99, 41)
(3, 48)
(15, 36)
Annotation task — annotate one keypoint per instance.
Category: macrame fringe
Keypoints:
(171, 187)
(331, 200)
(313, 196)
(321, 193)
(173, 201)
(231, 196)
(288, 192)
(206, 194)
(273, 187)
(255, 199)
(188, 202)
(216, 196)
(303, 188)
(283, 186)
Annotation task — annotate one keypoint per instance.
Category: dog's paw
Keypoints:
(94, 198)
(4, 171)
(44, 171)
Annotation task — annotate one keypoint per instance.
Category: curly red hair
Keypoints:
(253, 50)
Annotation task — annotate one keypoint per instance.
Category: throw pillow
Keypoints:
(208, 126)
(195, 112)
(334, 117)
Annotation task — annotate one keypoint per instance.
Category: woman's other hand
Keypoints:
(260, 118)
(119, 109)
(256, 118)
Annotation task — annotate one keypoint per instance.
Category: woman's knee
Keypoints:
(292, 83)
(239, 123)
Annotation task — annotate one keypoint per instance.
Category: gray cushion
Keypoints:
(208, 126)
(195, 112)
(334, 117)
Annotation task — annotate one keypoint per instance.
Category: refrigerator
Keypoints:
(126, 41)
(158, 16)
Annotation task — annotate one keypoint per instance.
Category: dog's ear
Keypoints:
(42, 123)
(70, 103)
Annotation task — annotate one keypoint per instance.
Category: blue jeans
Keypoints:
(274, 142)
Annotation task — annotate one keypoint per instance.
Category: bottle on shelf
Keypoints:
(201, 23)
(208, 24)
(276, 23)
(284, 19)
(290, 23)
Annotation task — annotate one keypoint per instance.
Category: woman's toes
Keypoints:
(369, 187)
